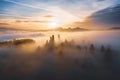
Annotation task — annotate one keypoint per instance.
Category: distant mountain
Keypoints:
(72, 29)
(15, 29)
(79, 29)
(109, 17)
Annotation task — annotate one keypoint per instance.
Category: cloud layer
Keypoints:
(109, 17)
(42, 11)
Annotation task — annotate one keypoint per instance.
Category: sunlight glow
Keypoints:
(54, 23)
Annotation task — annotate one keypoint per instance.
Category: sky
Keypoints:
(45, 14)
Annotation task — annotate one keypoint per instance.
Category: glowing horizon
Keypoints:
(47, 14)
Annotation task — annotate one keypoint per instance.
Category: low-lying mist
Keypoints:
(22, 59)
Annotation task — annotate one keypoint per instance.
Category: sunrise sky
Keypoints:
(46, 14)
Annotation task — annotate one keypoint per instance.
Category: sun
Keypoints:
(54, 23)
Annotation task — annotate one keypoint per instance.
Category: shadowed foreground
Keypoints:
(23, 60)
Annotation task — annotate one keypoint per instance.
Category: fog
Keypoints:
(57, 55)
(106, 37)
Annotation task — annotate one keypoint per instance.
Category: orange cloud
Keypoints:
(48, 16)
(37, 21)
(4, 24)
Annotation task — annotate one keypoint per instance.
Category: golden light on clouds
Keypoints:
(40, 14)
(56, 18)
